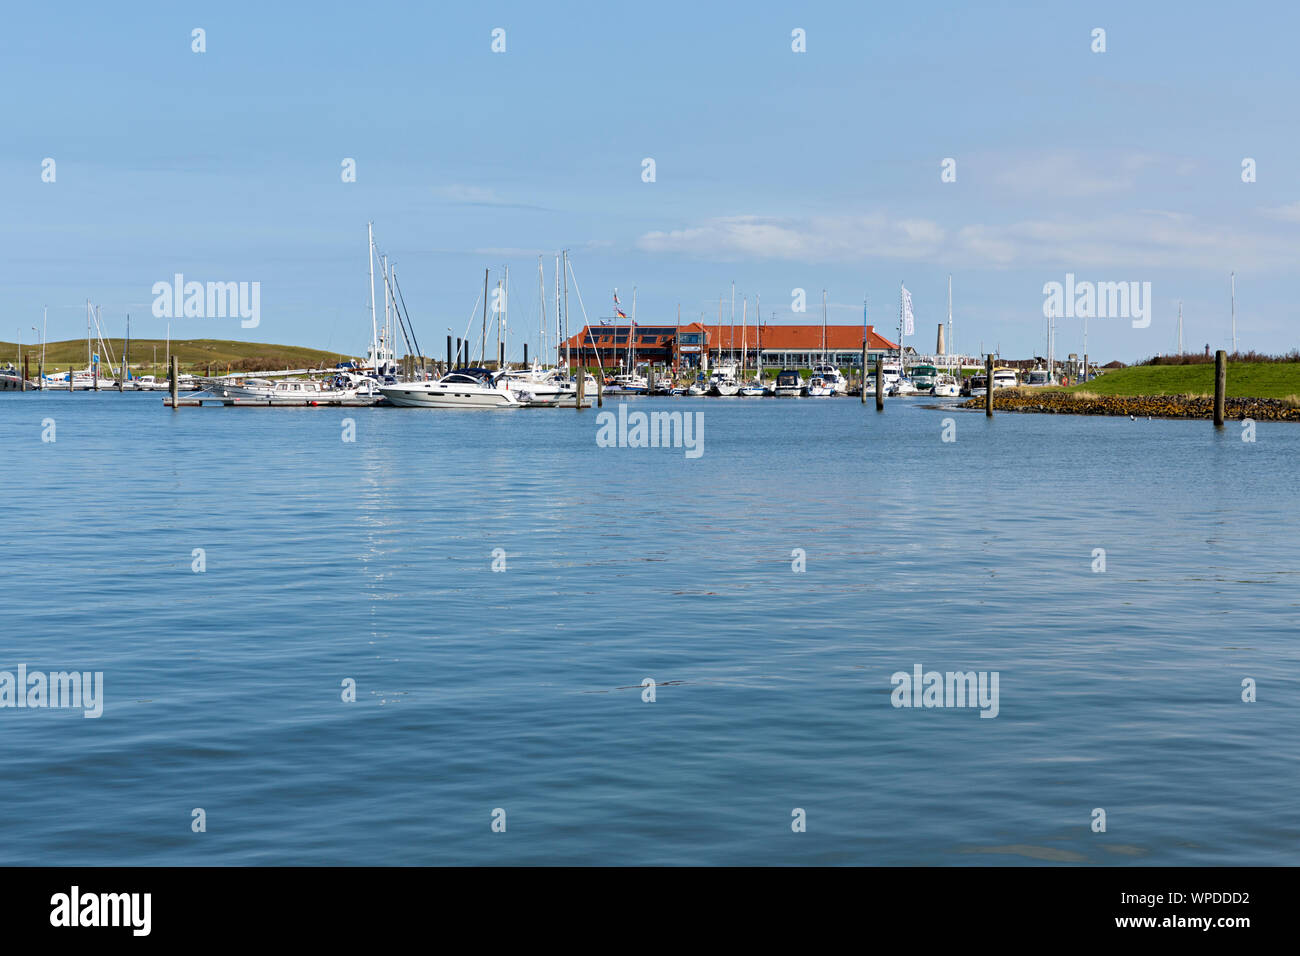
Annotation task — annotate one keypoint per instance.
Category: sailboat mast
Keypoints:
(1234, 313)
(865, 343)
(374, 322)
(744, 345)
(482, 349)
(950, 346)
(385, 337)
(557, 308)
(631, 337)
(568, 355)
(823, 326)
(541, 312)
(498, 322)
(731, 326)
(677, 335)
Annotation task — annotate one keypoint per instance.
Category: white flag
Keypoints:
(909, 323)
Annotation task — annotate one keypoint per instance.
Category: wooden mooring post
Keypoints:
(175, 380)
(988, 386)
(27, 373)
(1220, 385)
(582, 387)
(880, 385)
(600, 388)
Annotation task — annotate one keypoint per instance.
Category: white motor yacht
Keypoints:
(545, 386)
(945, 386)
(789, 384)
(265, 389)
(1038, 377)
(1004, 378)
(462, 388)
(818, 387)
(830, 377)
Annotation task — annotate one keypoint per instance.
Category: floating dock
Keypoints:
(199, 400)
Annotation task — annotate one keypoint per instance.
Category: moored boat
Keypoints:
(461, 388)
(789, 384)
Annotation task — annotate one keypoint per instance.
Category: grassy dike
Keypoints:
(1263, 391)
(195, 355)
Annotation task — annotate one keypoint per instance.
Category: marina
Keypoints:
(774, 439)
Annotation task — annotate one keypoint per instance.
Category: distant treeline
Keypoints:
(1200, 358)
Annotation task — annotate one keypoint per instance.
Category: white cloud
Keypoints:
(1148, 239)
(1065, 174)
(466, 195)
(807, 240)
(458, 192)
(1288, 213)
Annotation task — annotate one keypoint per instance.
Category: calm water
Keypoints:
(371, 560)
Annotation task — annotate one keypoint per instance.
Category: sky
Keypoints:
(773, 169)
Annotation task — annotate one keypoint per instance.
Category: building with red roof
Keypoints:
(697, 345)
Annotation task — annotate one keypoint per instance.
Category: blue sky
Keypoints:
(775, 169)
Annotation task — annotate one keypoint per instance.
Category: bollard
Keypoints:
(988, 386)
(1220, 385)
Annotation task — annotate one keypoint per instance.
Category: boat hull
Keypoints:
(454, 396)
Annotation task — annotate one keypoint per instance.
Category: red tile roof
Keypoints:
(792, 338)
(784, 338)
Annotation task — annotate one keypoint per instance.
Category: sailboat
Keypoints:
(826, 380)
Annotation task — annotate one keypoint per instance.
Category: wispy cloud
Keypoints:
(461, 194)
(1148, 239)
(809, 240)
(1068, 174)
(1288, 213)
